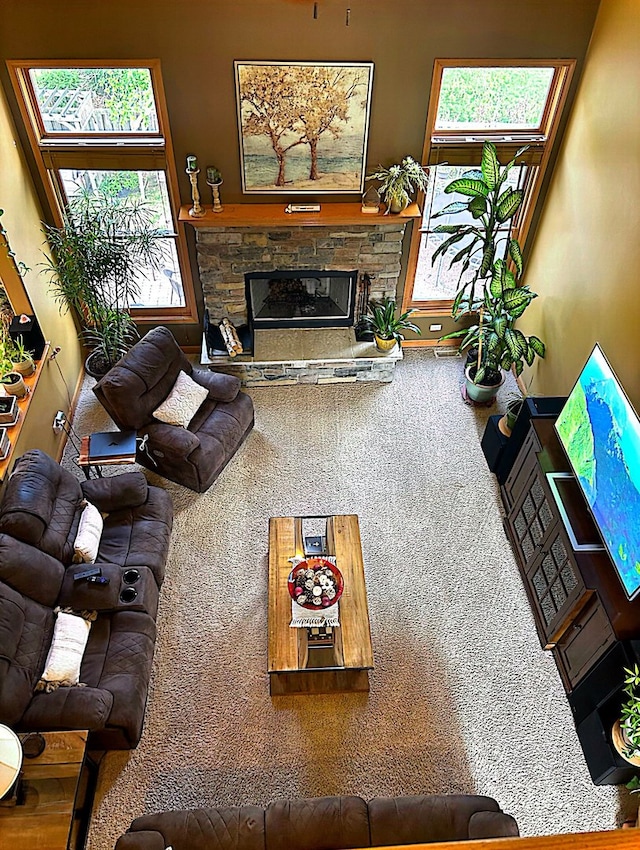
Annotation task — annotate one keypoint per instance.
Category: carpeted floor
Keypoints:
(462, 697)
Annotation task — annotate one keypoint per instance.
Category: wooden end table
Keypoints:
(48, 812)
(295, 665)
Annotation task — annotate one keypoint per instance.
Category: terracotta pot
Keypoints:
(620, 743)
(383, 344)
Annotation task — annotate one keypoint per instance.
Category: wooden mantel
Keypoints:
(273, 215)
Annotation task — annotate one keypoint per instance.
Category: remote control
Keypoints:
(98, 580)
(90, 571)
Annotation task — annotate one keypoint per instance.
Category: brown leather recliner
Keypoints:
(323, 823)
(141, 381)
(39, 516)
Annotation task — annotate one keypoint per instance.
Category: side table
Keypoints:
(123, 450)
(52, 805)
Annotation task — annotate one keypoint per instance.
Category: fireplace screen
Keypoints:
(301, 299)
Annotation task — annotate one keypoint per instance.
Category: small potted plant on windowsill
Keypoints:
(386, 326)
(21, 359)
(399, 182)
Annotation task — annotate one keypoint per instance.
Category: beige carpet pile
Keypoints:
(462, 697)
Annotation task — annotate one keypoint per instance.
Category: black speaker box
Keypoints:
(28, 328)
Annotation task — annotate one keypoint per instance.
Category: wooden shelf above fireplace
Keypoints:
(273, 215)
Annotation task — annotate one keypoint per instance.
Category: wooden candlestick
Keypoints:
(215, 194)
(196, 210)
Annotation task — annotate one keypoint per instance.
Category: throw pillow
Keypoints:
(62, 668)
(87, 540)
(182, 403)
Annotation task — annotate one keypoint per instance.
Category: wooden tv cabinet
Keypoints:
(581, 611)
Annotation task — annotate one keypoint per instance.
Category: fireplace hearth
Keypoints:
(308, 298)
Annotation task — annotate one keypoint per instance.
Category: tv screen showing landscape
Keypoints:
(600, 432)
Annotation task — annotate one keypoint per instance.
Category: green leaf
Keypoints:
(490, 165)
(513, 343)
(509, 206)
(514, 299)
(506, 361)
(519, 367)
(495, 287)
(493, 342)
(450, 228)
(509, 281)
(487, 258)
(516, 254)
(537, 345)
(451, 209)
(479, 375)
(478, 206)
(460, 255)
(529, 355)
(466, 186)
(500, 326)
(441, 249)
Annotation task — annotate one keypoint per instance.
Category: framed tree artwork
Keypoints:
(303, 126)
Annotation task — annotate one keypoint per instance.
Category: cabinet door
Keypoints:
(584, 642)
(530, 520)
(522, 469)
(556, 586)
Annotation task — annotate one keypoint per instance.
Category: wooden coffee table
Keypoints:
(295, 664)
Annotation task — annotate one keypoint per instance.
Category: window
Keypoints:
(512, 103)
(103, 130)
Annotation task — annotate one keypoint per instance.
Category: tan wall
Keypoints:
(21, 219)
(198, 41)
(586, 256)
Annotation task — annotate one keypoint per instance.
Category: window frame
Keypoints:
(464, 147)
(109, 151)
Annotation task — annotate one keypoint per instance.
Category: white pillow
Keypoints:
(70, 636)
(88, 537)
(182, 403)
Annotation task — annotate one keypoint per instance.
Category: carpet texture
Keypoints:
(462, 697)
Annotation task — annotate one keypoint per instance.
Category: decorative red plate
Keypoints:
(325, 581)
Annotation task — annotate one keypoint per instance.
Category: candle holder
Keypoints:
(196, 210)
(215, 194)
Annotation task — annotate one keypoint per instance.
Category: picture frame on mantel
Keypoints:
(303, 126)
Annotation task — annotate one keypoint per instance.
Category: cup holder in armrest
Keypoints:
(129, 594)
(131, 576)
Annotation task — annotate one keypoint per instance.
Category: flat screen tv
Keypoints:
(600, 433)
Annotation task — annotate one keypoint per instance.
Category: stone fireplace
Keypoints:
(254, 240)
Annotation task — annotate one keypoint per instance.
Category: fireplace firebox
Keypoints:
(303, 298)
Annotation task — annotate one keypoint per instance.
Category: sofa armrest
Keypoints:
(82, 595)
(221, 387)
(30, 571)
(169, 439)
(492, 825)
(68, 708)
(146, 840)
(128, 490)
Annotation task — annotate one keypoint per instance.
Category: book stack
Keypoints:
(106, 447)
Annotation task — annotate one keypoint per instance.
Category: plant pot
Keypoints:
(383, 344)
(503, 425)
(396, 207)
(96, 365)
(14, 384)
(621, 744)
(481, 393)
(24, 367)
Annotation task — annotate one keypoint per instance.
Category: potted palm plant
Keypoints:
(490, 263)
(398, 183)
(95, 266)
(386, 325)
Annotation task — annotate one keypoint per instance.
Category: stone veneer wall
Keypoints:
(225, 254)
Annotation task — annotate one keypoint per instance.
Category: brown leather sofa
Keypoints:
(39, 516)
(142, 380)
(323, 823)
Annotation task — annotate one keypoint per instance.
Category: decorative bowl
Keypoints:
(314, 573)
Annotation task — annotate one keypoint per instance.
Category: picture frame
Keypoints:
(303, 126)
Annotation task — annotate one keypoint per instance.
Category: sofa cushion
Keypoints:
(182, 403)
(87, 540)
(230, 828)
(317, 823)
(41, 505)
(424, 818)
(26, 629)
(62, 667)
(30, 571)
(492, 825)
